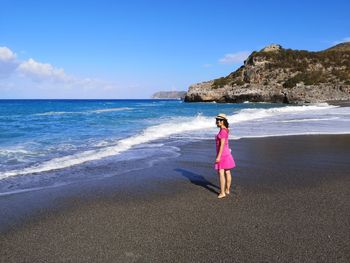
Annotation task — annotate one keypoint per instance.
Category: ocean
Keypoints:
(49, 143)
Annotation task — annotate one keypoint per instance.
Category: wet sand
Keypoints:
(290, 202)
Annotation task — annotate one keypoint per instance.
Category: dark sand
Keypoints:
(290, 203)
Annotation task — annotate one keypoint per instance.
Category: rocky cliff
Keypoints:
(275, 74)
(169, 95)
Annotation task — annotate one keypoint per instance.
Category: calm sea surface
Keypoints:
(45, 143)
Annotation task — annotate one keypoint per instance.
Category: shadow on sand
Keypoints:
(198, 180)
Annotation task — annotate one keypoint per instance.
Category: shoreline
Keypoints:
(341, 103)
(290, 202)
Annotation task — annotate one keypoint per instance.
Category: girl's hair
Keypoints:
(225, 123)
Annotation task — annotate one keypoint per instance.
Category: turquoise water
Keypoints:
(42, 140)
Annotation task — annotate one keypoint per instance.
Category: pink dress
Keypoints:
(226, 160)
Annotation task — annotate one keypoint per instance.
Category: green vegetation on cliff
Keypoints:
(231, 79)
(290, 67)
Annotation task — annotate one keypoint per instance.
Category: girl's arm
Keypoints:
(222, 143)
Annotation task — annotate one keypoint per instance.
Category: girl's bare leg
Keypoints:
(228, 181)
(221, 174)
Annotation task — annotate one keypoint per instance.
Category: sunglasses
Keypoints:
(219, 120)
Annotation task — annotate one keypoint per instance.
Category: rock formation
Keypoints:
(275, 74)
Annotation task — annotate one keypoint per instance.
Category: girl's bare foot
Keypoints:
(227, 192)
(221, 196)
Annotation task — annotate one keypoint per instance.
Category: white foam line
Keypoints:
(56, 113)
(290, 134)
(9, 151)
(33, 189)
(307, 120)
(81, 112)
(253, 114)
(111, 109)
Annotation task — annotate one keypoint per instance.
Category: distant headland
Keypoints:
(275, 74)
(169, 95)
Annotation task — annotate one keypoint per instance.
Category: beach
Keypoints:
(115, 115)
(290, 202)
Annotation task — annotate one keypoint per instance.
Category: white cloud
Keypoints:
(234, 58)
(6, 54)
(345, 39)
(8, 62)
(42, 71)
(34, 79)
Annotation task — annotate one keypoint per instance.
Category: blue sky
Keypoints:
(131, 49)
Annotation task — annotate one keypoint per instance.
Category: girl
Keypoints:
(224, 160)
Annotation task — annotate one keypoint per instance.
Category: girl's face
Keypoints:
(219, 122)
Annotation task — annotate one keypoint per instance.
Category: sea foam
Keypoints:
(82, 112)
(173, 126)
